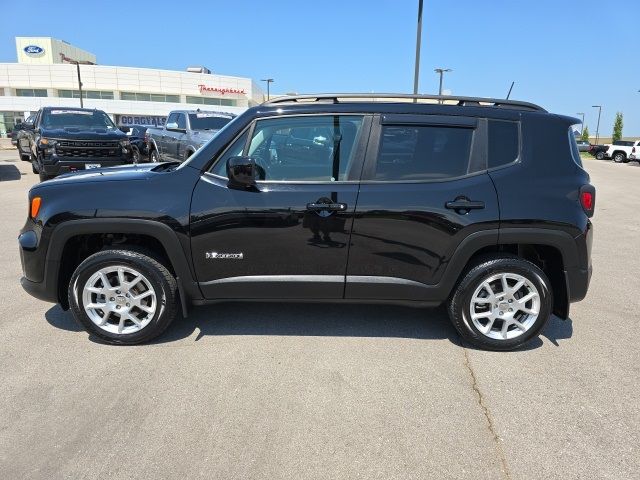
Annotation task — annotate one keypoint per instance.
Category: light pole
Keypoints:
(416, 74)
(582, 129)
(269, 81)
(441, 71)
(599, 107)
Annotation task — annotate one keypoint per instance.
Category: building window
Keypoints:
(149, 97)
(31, 92)
(8, 121)
(212, 101)
(104, 95)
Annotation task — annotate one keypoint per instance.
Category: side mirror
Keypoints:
(174, 126)
(241, 172)
(124, 129)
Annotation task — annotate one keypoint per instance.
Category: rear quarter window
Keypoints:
(503, 143)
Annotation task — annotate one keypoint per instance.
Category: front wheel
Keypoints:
(136, 156)
(619, 157)
(501, 304)
(123, 296)
(154, 156)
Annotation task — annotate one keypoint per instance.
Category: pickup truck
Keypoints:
(60, 140)
(621, 150)
(184, 133)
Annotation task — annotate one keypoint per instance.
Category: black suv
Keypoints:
(60, 140)
(416, 200)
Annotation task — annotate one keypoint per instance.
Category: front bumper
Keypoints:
(67, 165)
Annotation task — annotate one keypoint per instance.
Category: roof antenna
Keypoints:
(510, 88)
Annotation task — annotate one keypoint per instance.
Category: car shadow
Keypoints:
(9, 172)
(315, 319)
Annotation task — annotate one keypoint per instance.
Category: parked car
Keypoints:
(60, 140)
(620, 150)
(598, 151)
(138, 139)
(184, 133)
(583, 145)
(330, 198)
(14, 132)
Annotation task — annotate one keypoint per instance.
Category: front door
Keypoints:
(424, 189)
(289, 237)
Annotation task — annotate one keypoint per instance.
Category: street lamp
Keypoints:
(269, 81)
(441, 71)
(599, 107)
(582, 129)
(416, 73)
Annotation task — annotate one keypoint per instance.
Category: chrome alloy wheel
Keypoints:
(505, 306)
(119, 299)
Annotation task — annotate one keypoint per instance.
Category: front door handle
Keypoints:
(334, 207)
(463, 203)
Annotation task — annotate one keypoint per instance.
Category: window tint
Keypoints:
(182, 121)
(235, 150)
(503, 143)
(318, 148)
(173, 118)
(423, 152)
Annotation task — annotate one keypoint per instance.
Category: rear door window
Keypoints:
(423, 152)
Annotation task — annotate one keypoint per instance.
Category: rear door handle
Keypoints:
(464, 204)
(334, 207)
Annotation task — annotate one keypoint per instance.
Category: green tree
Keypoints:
(617, 127)
(585, 134)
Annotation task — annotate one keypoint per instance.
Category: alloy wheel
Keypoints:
(119, 299)
(505, 306)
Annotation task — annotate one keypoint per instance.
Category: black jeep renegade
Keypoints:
(417, 200)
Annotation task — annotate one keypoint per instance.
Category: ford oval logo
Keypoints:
(33, 50)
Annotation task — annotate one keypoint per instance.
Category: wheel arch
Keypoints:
(75, 240)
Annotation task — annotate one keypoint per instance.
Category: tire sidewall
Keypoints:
(473, 280)
(158, 282)
(618, 158)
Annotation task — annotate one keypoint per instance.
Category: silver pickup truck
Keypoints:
(184, 133)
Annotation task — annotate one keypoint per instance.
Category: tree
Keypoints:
(585, 134)
(617, 127)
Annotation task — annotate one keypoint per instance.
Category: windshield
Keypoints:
(208, 121)
(77, 118)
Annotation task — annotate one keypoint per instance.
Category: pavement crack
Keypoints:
(487, 415)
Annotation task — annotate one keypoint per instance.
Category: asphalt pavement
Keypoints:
(307, 391)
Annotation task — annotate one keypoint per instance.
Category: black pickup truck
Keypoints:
(59, 140)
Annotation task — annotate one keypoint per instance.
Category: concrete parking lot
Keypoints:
(286, 391)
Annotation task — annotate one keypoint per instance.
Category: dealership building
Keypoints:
(46, 74)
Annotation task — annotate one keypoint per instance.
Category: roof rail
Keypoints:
(460, 101)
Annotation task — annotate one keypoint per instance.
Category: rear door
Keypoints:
(424, 190)
(289, 236)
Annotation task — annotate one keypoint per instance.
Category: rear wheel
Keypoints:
(123, 296)
(501, 304)
(600, 155)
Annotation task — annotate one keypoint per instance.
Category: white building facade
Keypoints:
(46, 75)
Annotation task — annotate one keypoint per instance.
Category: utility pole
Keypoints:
(416, 74)
(269, 81)
(441, 71)
(599, 107)
(582, 129)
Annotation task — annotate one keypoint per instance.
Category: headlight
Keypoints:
(47, 142)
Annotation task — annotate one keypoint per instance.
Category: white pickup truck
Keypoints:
(622, 151)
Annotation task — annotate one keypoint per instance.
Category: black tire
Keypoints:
(33, 168)
(136, 157)
(43, 176)
(154, 156)
(162, 281)
(600, 156)
(460, 303)
(619, 157)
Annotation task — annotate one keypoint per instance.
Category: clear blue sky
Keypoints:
(564, 55)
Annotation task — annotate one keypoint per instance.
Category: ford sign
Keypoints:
(33, 50)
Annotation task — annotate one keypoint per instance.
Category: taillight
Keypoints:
(35, 207)
(588, 199)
